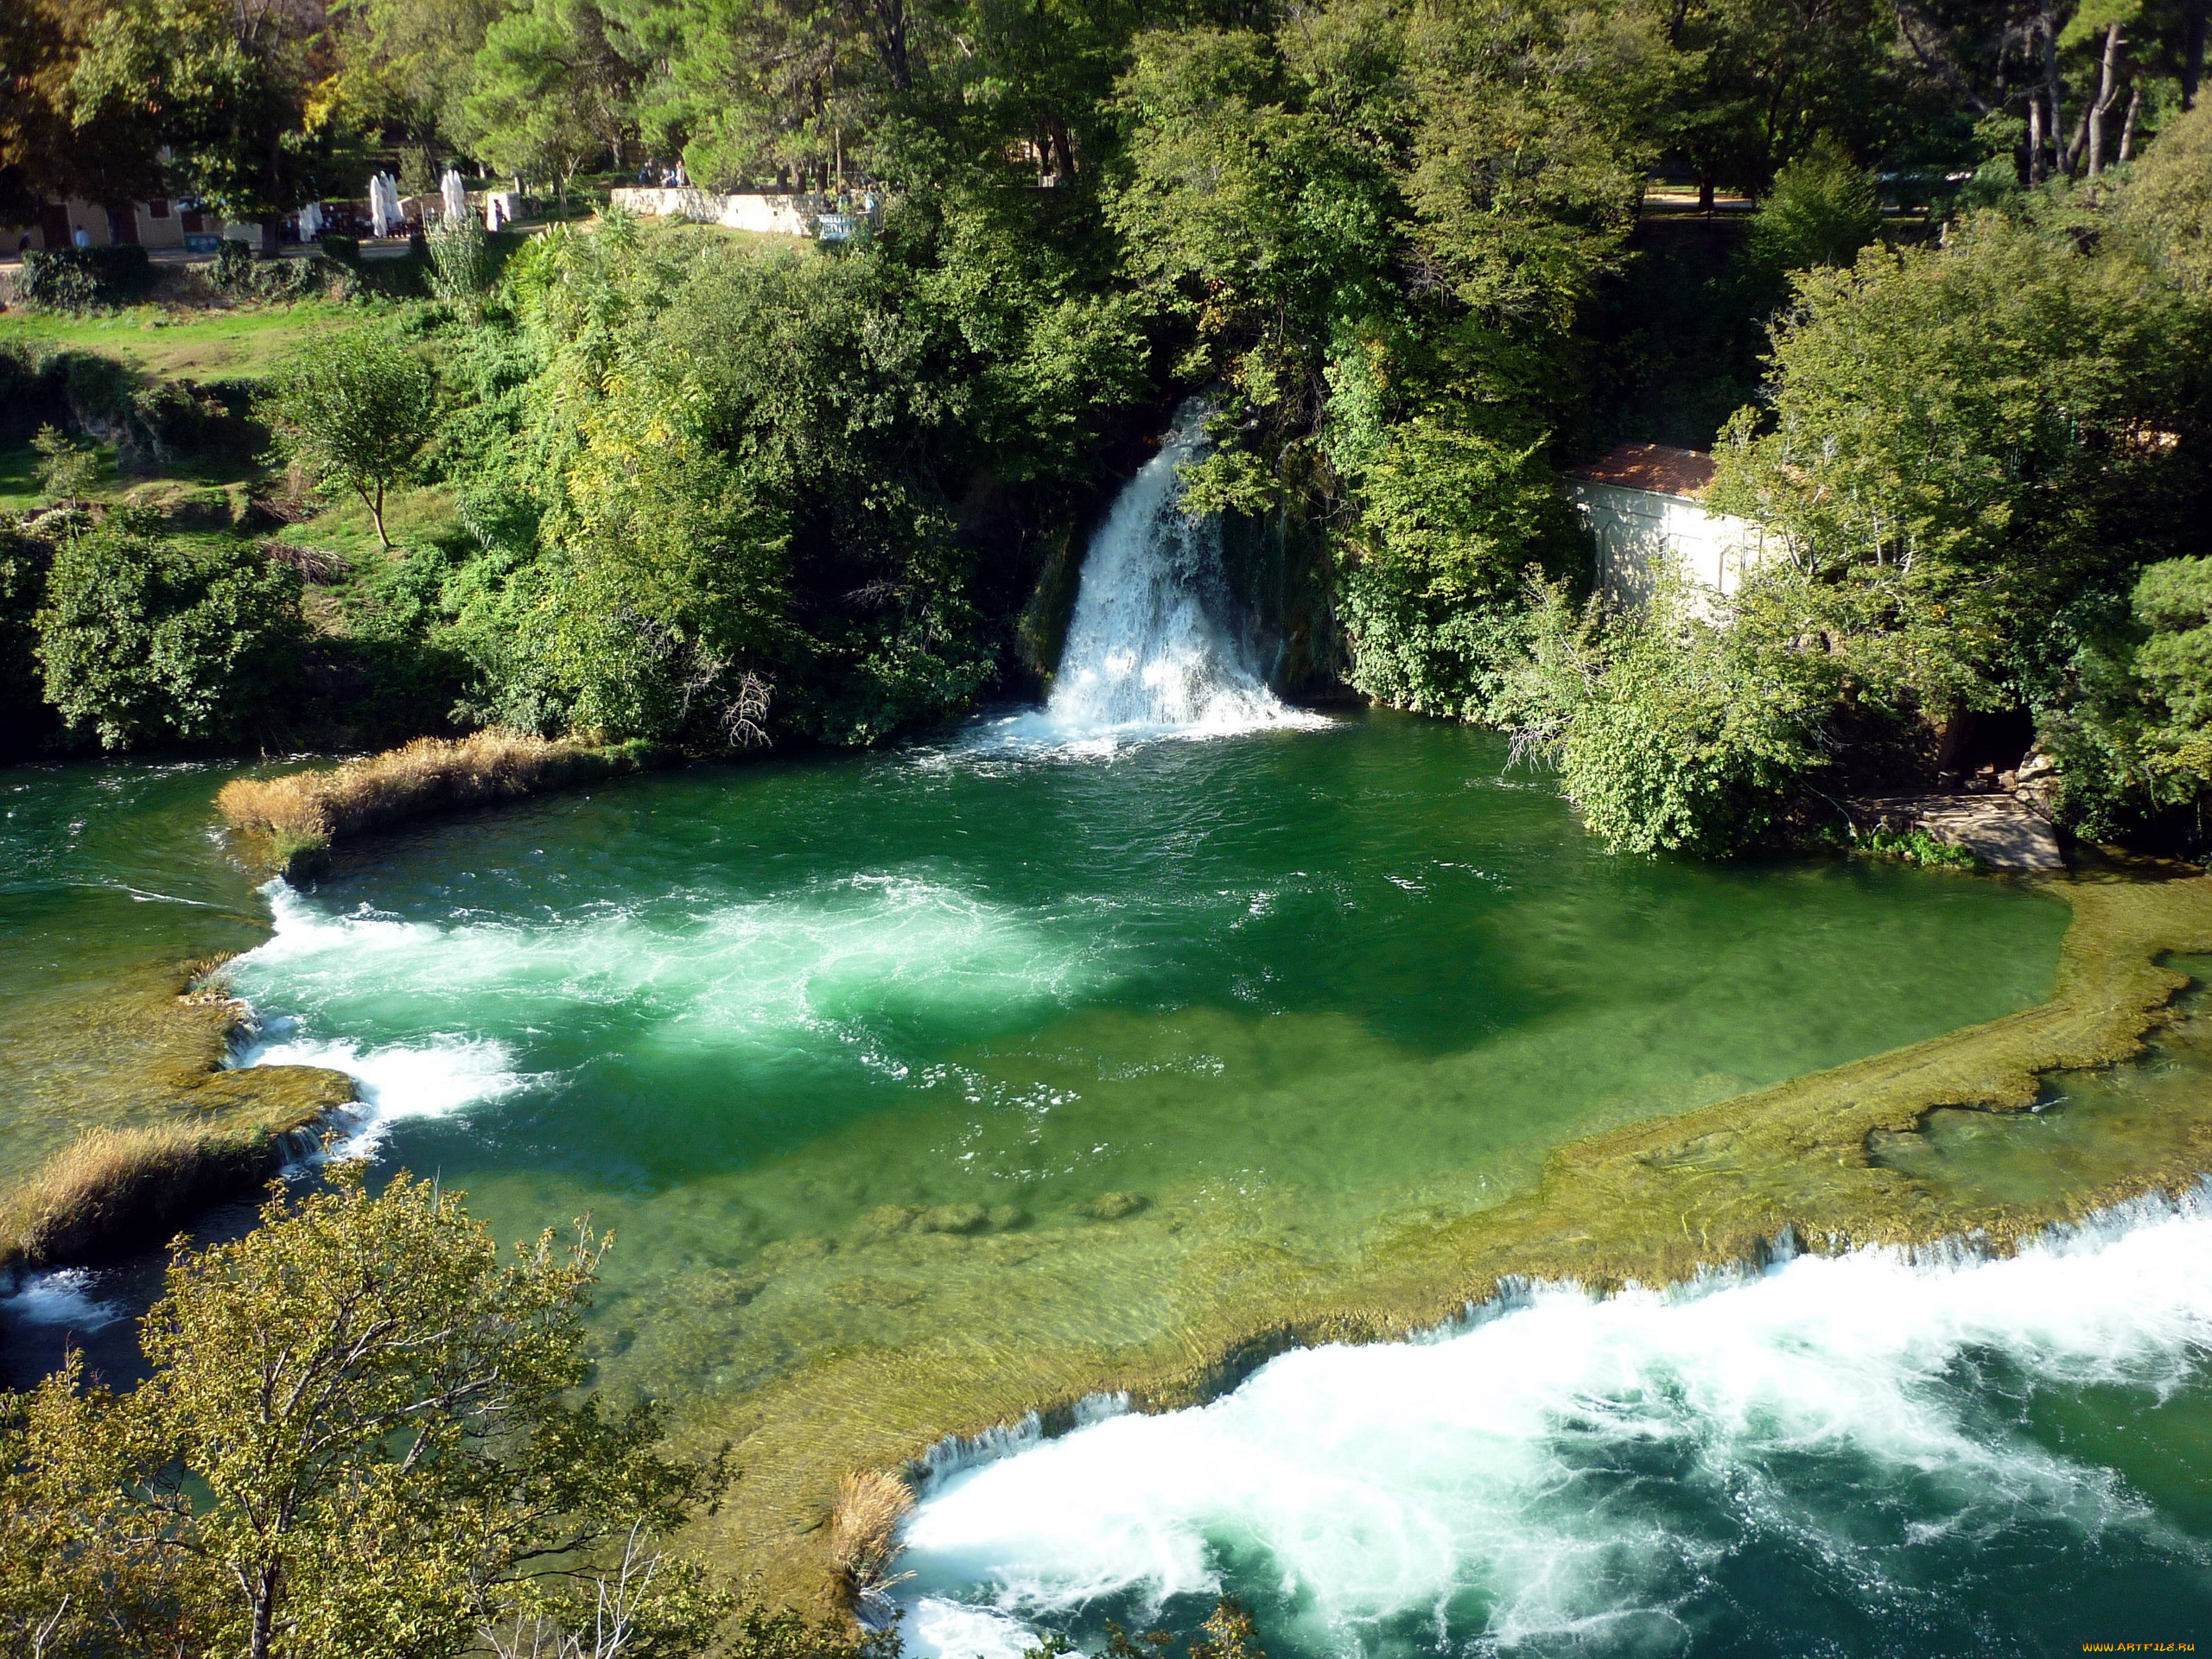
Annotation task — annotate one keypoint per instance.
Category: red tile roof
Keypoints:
(1652, 467)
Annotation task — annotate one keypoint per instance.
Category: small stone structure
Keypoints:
(1644, 506)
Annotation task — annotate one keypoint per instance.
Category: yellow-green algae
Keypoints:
(147, 1052)
(926, 1343)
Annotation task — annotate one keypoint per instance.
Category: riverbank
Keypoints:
(168, 1128)
(1654, 1203)
(299, 816)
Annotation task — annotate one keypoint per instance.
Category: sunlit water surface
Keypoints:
(1027, 1043)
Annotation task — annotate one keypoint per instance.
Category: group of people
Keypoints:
(669, 178)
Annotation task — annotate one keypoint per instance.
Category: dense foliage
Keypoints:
(144, 638)
(360, 1438)
(721, 496)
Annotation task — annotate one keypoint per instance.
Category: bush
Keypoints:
(232, 270)
(460, 260)
(145, 639)
(80, 279)
(1671, 734)
(1694, 739)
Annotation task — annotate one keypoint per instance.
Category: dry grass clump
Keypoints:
(864, 1535)
(303, 812)
(111, 1188)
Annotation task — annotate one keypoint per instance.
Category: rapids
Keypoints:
(969, 1072)
(1860, 1454)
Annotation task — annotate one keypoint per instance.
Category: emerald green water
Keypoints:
(1048, 1054)
(1294, 984)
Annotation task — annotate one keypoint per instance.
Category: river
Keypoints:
(916, 1082)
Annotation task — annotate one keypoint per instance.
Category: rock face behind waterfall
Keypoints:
(1161, 640)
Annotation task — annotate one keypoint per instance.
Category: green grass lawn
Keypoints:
(198, 344)
(19, 490)
(414, 518)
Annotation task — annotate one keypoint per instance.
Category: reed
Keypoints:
(304, 813)
(111, 1188)
(864, 1536)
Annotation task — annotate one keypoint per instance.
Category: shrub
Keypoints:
(1671, 734)
(66, 470)
(78, 279)
(232, 270)
(147, 639)
(1821, 211)
(461, 260)
(1693, 739)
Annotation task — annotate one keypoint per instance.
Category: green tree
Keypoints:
(408, 67)
(45, 154)
(357, 1439)
(1821, 211)
(2166, 201)
(243, 97)
(1958, 440)
(1672, 730)
(552, 89)
(353, 410)
(145, 640)
(66, 470)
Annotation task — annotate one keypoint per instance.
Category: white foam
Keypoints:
(65, 1296)
(1392, 1480)
(1151, 651)
(805, 974)
(433, 1078)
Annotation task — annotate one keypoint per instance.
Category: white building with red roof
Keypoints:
(1644, 506)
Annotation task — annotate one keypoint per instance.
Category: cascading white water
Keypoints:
(1573, 1471)
(1150, 649)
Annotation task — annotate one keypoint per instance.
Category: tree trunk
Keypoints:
(2107, 90)
(2035, 138)
(261, 1639)
(2054, 93)
(2127, 126)
(376, 511)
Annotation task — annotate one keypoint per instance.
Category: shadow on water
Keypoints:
(96, 1310)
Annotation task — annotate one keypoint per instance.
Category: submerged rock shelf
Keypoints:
(1654, 1203)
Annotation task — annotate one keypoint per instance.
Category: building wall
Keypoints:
(744, 210)
(154, 225)
(1641, 534)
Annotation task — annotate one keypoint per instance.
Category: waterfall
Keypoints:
(1152, 649)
